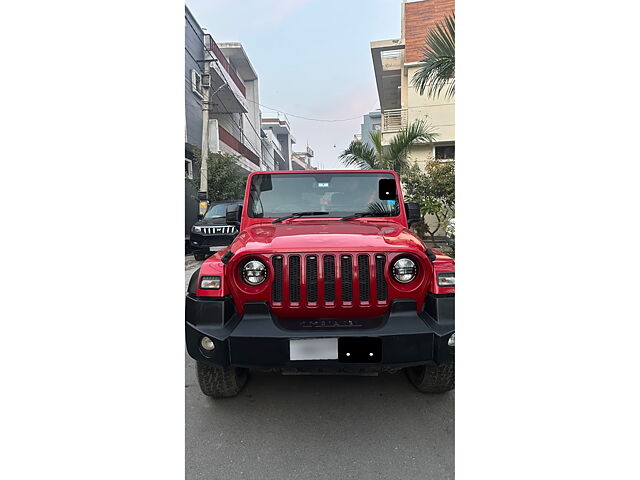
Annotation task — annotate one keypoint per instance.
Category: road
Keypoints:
(318, 427)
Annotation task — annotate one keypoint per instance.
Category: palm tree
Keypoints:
(438, 66)
(392, 157)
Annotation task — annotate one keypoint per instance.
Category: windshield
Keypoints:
(218, 211)
(338, 194)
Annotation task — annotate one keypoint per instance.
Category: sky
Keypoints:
(312, 57)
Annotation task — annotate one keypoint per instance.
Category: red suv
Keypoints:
(324, 277)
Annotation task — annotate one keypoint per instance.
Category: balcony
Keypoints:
(232, 142)
(212, 46)
(388, 59)
(394, 120)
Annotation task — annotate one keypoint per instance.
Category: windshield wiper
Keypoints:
(298, 214)
(362, 214)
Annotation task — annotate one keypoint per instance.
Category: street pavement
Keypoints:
(318, 427)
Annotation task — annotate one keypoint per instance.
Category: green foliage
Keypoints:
(392, 157)
(361, 155)
(226, 180)
(438, 65)
(434, 190)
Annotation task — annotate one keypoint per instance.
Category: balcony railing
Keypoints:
(237, 145)
(213, 46)
(394, 120)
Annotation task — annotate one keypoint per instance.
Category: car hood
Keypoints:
(212, 221)
(330, 235)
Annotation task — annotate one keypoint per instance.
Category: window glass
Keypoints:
(217, 211)
(338, 194)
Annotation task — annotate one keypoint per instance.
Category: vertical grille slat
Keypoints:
(294, 278)
(381, 283)
(329, 270)
(347, 278)
(276, 289)
(363, 277)
(312, 279)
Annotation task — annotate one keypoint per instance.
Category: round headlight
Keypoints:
(254, 272)
(196, 229)
(404, 270)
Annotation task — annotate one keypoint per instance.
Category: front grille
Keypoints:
(363, 277)
(329, 278)
(276, 288)
(381, 283)
(313, 279)
(219, 230)
(294, 278)
(347, 278)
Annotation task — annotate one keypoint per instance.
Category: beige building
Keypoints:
(395, 63)
(302, 160)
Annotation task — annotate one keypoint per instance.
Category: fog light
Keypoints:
(452, 340)
(207, 343)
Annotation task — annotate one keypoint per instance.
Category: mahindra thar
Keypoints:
(324, 277)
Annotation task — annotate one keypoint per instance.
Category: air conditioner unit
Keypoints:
(196, 83)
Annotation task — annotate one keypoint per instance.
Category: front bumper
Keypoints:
(203, 243)
(254, 340)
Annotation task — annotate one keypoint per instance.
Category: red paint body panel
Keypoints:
(388, 236)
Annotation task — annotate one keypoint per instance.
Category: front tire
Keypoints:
(432, 378)
(221, 382)
(200, 256)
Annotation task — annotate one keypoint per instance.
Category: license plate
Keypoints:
(216, 249)
(313, 349)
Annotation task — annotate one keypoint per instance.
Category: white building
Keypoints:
(280, 133)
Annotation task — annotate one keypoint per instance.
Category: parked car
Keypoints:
(450, 233)
(324, 277)
(212, 233)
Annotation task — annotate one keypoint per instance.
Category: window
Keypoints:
(219, 210)
(196, 83)
(338, 194)
(446, 152)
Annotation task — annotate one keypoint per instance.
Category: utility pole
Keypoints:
(204, 171)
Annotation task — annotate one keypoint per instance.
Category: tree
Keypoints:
(434, 190)
(391, 157)
(438, 65)
(226, 179)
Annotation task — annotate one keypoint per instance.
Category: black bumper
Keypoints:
(255, 340)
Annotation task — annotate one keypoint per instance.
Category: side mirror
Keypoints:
(234, 215)
(413, 212)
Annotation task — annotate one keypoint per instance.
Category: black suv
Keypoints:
(212, 233)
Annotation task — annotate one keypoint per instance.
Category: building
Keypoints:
(234, 113)
(193, 62)
(272, 156)
(395, 63)
(371, 122)
(302, 160)
(279, 131)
